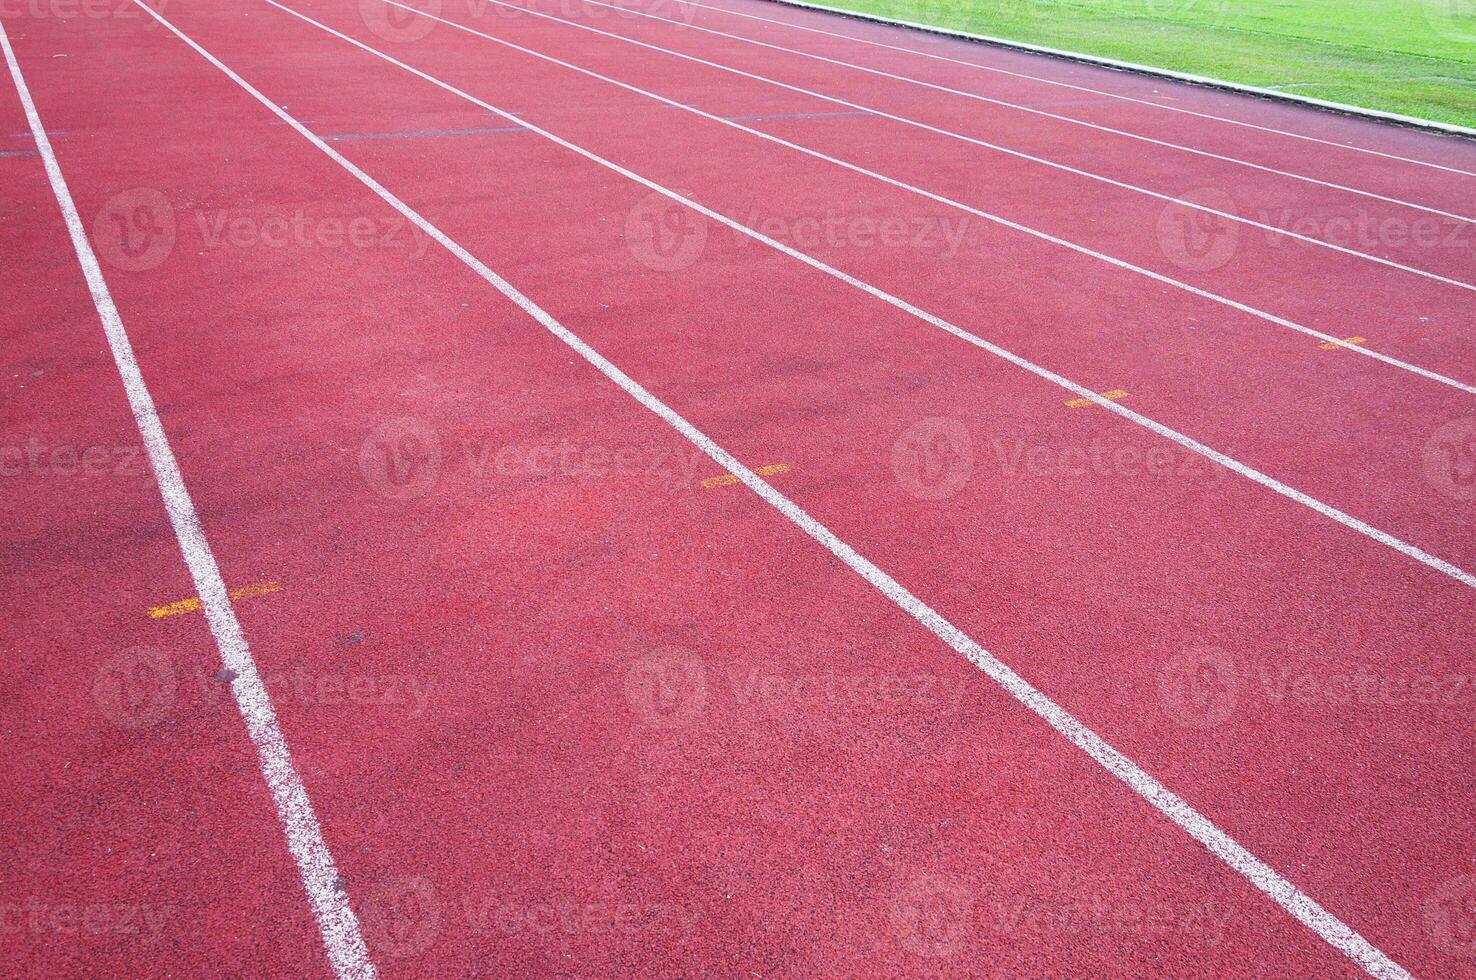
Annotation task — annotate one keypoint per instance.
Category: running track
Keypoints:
(720, 489)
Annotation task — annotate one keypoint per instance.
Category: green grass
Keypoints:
(1416, 57)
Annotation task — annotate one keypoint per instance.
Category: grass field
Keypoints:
(1416, 57)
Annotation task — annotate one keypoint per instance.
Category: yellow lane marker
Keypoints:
(728, 479)
(1112, 395)
(193, 604)
(1351, 340)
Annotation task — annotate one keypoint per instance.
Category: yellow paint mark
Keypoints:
(1111, 396)
(259, 589)
(728, 479)
(193, 604)
(1355, 341)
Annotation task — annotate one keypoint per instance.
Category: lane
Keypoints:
(1278, 223)
(1070, 577)
(538, 614)
(138, 828)
(1236, 167)
(340, 929)
(1349, 147)
(1178, 386)
(1039, 114)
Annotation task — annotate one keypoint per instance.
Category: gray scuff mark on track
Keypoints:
(793, 115)
(422, 134)
(762, 117)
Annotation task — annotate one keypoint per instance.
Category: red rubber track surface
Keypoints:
(561, 708)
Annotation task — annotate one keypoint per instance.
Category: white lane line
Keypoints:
(1105, 129)
(1281, 93)
(1327, 510)
(336, 921)
(960, 136)
(1306, 910)
(950, 202)
(1061, 84)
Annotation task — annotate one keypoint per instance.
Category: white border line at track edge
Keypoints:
(972, 140)
(336, 921)
(1377, 115)
(1033, 110)
(1256, 476)
(1361, 350)
(1076, 87)
(1262, 876)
